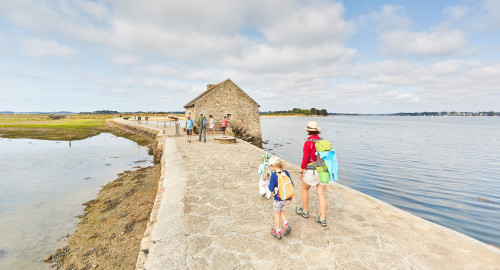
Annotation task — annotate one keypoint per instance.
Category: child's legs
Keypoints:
(268, 192)
(283, 216)
(262, 187)
(277, 220)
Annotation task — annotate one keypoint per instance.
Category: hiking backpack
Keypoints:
(321, 146)
(204, 122)
(285, 187)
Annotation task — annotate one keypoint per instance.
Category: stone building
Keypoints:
(227, 99)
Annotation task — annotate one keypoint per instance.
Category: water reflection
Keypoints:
(43, 185)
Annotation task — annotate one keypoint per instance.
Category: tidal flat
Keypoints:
(112, 224)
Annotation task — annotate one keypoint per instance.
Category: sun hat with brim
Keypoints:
(312, 126)
(274, 160)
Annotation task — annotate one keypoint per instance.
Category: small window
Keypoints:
(228, 116)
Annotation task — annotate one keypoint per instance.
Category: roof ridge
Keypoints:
(191, 103)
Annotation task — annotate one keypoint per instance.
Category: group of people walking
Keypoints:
(203, 123)
(139, 119)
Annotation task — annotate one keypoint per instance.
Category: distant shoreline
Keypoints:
(395, 115)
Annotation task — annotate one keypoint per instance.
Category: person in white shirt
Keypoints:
(211, 124)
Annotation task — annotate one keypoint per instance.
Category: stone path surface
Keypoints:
(221, 222)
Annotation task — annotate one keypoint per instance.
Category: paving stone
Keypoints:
(220, 203)
(242, 244)
(197, 224)
(317, 257)
(197, 263)
(283, 264)
(197, 243)
(188, 208)
(355, 265)
(248, 227)
(344, 253)
(295, 249)
(205, 210)
(188, 200)
(224, 260)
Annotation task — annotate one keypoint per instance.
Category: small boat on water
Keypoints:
(172, 117)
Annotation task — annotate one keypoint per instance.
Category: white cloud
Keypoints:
(126, 60)
(287, 59)
(47, 48)
(441, 42)
(447, 67)
(157, 51)
(309, 26)
(456, 12)
(491, 8)
(389, 18)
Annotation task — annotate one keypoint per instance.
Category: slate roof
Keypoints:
(191, 103)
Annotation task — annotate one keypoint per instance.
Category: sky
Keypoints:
(363, 56)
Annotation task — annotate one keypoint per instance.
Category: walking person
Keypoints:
(310, 177)
(212, 124)
(202, 125)
(189, 127)
(224, 125)
(282, 185)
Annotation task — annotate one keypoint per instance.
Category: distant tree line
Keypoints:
(452, 113)
(137, 112)
(312, 111)
(445, 113)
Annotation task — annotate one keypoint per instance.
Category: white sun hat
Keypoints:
(312, 126)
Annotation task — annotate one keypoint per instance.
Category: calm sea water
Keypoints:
(43, 185)
(443, 169)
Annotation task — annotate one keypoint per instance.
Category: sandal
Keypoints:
(301, 212)
(321, 221)
(276, 233)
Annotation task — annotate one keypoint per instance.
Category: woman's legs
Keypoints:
(322, 200)
(305, 196)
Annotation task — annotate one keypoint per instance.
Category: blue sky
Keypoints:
(352, 56)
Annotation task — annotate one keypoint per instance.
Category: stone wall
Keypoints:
(145, 131)
(228, 99)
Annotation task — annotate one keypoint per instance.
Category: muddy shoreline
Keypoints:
(112, 226)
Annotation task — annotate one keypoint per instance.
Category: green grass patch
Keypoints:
(71, 127)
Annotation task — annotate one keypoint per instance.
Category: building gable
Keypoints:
(206, 93)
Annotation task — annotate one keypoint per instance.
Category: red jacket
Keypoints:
(308, 153)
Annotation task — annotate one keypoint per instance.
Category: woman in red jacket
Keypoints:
(310, 177)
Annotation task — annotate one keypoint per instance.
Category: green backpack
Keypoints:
(322, 146)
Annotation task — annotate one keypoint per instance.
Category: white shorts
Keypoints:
(311, 177)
